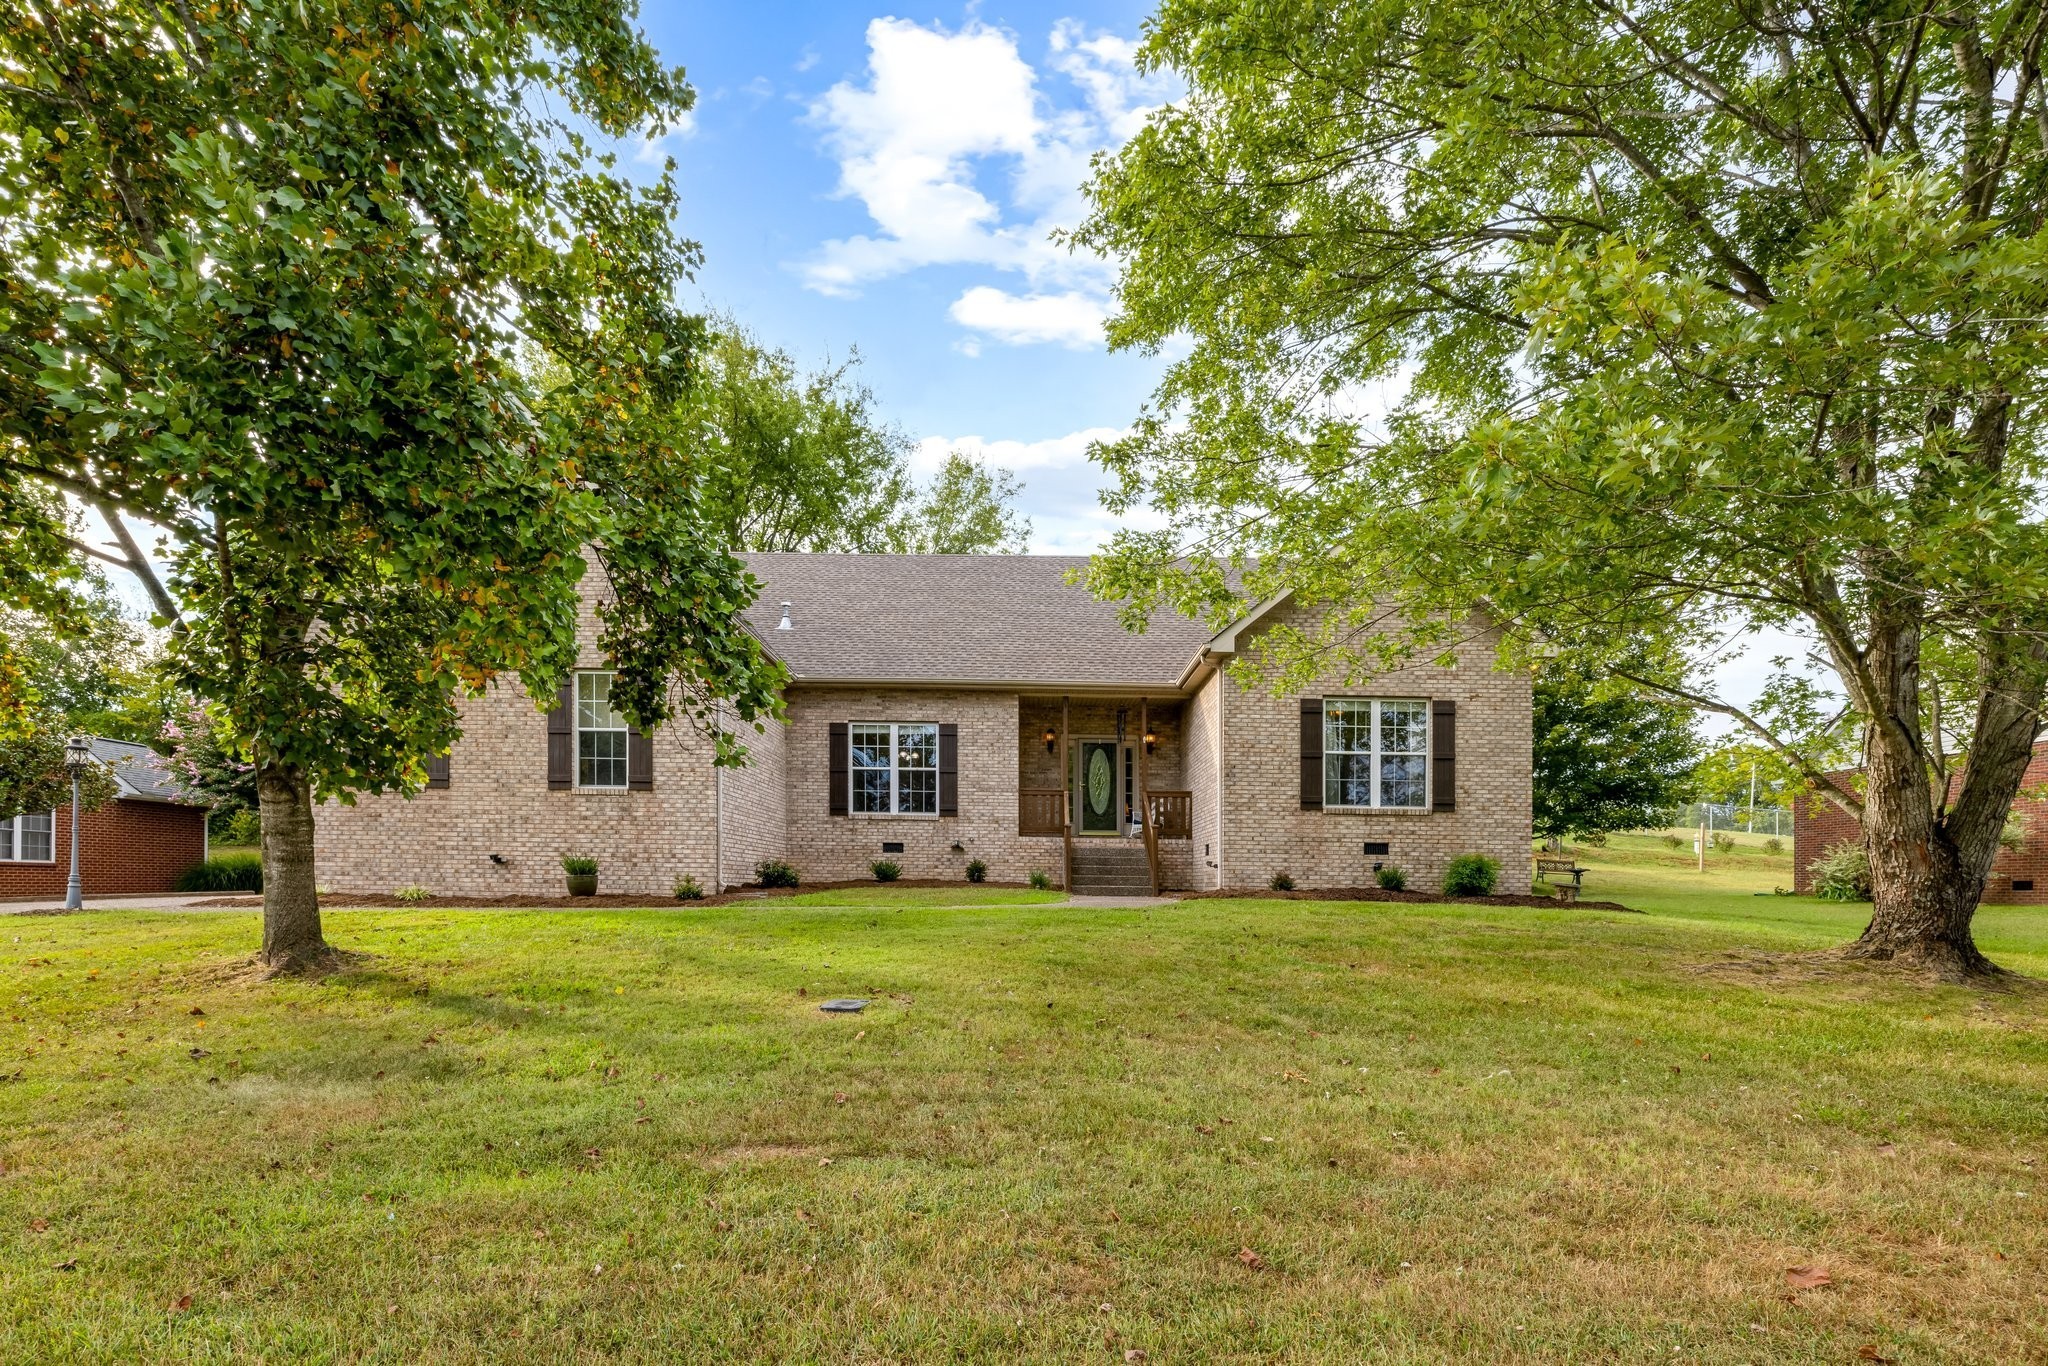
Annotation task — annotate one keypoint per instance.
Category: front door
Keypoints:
(1095, 787)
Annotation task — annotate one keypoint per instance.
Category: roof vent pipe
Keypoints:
(784, 625)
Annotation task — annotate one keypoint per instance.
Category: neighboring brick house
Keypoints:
(943, 709)
(139, 842)
(2018, 877)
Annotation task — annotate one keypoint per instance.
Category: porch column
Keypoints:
(1066, 805)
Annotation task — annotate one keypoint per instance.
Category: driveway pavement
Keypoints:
(111, 903)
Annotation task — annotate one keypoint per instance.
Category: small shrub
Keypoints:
(412, 896)
(773, 872)
(1842, 872)
(1282, 883)
(1723, 842)
(1673, 842)
(1471, 875)
(1041, 881)
(1391, 879)
(886, 869)
(2012, 837)
(237, 827)
(1596, 838)
(227, 873)
(977, 871)
(687, 889)
(575, 865)
(1774, 846)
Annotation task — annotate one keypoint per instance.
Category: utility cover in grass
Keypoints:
(844, 1005)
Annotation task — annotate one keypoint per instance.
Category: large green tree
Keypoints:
(796, 461)
(1692, 316)
(263, 266)
(1606, 757)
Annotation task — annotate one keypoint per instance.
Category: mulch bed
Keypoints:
(609, 900)
(1382, 894)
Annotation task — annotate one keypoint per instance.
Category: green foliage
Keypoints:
(33, 775)
(1774, 846)
(1723, 841)
(977, 871)
(1842, 872)
(1041, 881)
(414, 895)
(1673, 842)
(579, 865)
(95, 669)
(687, 888)
(243, 826)
(1471, 875)
(774, 873)
(886, 870)
(214, 767)
(1281, 883)
(1688, 333)
(262, 272)
(239, 872)
(1606, 757)
(1391, 879)
(967, 509)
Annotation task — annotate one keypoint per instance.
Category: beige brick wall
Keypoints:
(753, 805)
(825, 847)
(1265, 831)
(497, 802)
(1203, 741)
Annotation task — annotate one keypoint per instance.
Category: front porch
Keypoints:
(1096, 773)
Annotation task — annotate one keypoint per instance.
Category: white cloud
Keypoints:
(1019, 457)
(963, 157)
(1061, 487)
(653, 151)
(1072, 319)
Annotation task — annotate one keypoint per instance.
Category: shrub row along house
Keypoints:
(944, 709)
(140, 842)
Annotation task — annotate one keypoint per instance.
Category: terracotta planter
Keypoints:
(582, 884)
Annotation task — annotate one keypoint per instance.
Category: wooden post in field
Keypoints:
(1701, 845)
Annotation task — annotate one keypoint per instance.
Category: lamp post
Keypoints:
(77, 754)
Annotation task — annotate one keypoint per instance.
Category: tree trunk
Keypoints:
(291, 904)
(1930, 856)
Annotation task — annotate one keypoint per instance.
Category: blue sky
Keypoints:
(884, 180)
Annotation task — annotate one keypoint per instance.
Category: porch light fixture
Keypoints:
(77, 754)
(1151, 742)
(1051, 739)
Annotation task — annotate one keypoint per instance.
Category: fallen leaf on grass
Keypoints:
(1886, 1149)
(1134, 1355)
(39, 1225)
(1251, 1259)
(181, 1304)
(1293, 1074)
(196, 1011)
(1868, 1352)
(1205, 1128)
(839, 1097)
(1807, 1277)
(68, 1264)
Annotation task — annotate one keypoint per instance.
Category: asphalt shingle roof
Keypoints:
(142, 771)
(974, 619)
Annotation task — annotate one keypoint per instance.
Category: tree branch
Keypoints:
(1834, 791)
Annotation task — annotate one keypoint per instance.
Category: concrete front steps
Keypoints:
(1110, 867)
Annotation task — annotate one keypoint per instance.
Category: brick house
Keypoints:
(942, 709)
(139, 842)
(2018, 877)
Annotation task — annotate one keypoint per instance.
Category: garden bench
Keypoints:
(1551, 869)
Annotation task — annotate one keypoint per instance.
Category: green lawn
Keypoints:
(1464, 1133)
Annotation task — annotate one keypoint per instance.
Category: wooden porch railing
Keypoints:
(1172, 814)
(1042, 811)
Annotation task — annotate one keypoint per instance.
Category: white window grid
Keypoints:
(893, 768)
(600, 734)
(1376, 753)
(29, 838)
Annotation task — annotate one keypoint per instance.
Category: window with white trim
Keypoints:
(1375, 753)
(600, 734)
(29, 839)
(894, 767)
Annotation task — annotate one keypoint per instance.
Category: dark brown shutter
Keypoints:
(639, 761)
(1443, 754)
(562, 738)
(1311, 753)
(949, 769)
(840, 770)
(437, 771)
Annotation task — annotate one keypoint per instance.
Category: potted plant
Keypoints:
(582, 874)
